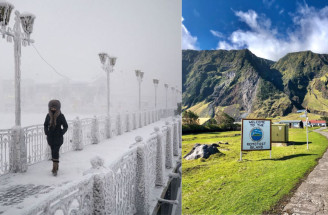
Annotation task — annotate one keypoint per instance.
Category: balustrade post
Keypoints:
(108, 127)
(168, 147)
(175, 138)
(18, 151)
(95, 138)
(128, 128)
(119, 124)
(142, 190)
(103, 194)
(134, 121)
(140, 119)
(144, 118)
(77, 135)
(149, 119)
(159, 181)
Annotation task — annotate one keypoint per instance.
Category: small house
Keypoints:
(316, 123)
(292, 123)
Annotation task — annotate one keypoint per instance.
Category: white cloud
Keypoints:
(311, 34)
(217, 34)
(281, 11)
(188, 41)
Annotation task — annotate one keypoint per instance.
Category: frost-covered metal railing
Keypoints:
(36, 144)
(126, 185)
(74, 198)
(81, 132)
(5, 138)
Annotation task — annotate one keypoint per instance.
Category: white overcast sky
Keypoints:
(143, 34)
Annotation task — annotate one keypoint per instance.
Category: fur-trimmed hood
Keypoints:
(53, 116)
(55, 104)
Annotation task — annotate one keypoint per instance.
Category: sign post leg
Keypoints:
(270, 154)
(241, 155)
(307, 134)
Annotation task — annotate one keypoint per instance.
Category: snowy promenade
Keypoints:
(19, 192)
(312, 195)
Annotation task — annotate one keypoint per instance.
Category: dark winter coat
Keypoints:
(55, 133)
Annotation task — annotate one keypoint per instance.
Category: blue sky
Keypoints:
(269, 28)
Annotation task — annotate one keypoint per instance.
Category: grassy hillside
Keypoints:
(222, 185)
(238, 82)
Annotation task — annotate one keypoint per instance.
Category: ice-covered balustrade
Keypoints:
(133, 184)
(81, 132)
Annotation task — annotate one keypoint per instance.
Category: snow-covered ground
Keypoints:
(21, 191)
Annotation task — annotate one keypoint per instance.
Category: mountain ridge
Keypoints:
(239, 83)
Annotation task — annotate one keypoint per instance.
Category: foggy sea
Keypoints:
(7, 120)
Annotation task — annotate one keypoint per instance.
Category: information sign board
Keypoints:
(256, 134)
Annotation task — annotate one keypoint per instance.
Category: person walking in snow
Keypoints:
(55, 126)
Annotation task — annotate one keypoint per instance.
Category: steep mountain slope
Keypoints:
(239, 83)
(298, 70)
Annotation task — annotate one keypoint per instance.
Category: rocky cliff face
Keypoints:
(239, 83)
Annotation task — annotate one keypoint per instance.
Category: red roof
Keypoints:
(316, 121)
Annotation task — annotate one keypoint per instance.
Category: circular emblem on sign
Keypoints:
(256, 134)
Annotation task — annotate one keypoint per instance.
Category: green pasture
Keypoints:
(223, 185)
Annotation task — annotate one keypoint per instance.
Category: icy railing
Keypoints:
(74, 198)
(5, 138)
(125, 186)
(86, 131)
(81, 132)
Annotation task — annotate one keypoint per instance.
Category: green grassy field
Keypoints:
(223, 185)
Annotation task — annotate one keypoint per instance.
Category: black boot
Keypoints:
(53, 167)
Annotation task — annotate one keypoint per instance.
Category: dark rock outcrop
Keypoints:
(202, 151)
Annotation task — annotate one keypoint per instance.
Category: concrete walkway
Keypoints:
(312, 196)
(21, 191)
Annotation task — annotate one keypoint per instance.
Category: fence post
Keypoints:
(175, 138)
(134, 121)
(140, 121)
(142, 190)
(145, 118)
(77, 135)
(95, 131)
(159, 158)
(168, 147)
(128, 128)
(108, 127)
(18, 151)
(119, 124)
(149, 119)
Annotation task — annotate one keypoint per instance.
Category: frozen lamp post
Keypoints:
(155, 81)
(108, 64)
(139, 75)
(17, 152)
(166, 87)
(24, 21)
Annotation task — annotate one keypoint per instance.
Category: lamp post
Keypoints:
(139, 75)
(24, 21)
(108, 64)
(155, 81)
(166, 87)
